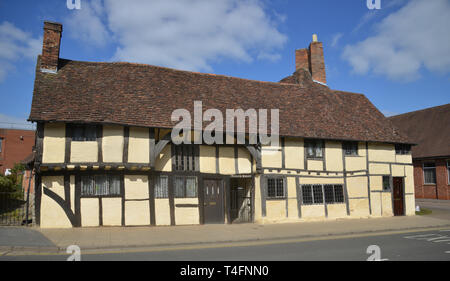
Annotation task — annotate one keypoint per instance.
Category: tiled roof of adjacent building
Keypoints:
(429, 128)
(145, 95)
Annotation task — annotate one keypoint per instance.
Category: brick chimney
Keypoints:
(51, 46)
(312, 59)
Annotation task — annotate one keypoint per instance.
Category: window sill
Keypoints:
(314, 158)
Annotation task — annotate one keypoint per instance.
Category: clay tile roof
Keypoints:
(145, 95)
(429, 128)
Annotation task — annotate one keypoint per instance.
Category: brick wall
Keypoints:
(16, 146)
(440, 190)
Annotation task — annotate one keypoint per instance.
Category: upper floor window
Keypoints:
(100, 185)
(84, 133)
(1, 143)
(314, 148)
(429, 173)
(402, 149)
(350, 148)
(185, 157)
(275, 188)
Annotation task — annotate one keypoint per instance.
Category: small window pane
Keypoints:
(317, 193)
(271, 188)
(329, 193)
(386, 183)
(1, 142)
(191, 187)
(90, 133)
(350, 148)
(280, 188)
(87, 185)
(307, 194)
(101, 185)
(338, 194)
(162, 187)
(179, 187)
(114, 185)
(77, 133)
(429, 171)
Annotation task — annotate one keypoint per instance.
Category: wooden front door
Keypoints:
(213, 201)
(399, 204)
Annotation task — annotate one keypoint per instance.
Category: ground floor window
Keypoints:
(100, 185)
(386, 183)
(334, 193)
(429, 173)
(185, 187)
(162, 187)
(315, 193)
(275, 188)
(448, 171)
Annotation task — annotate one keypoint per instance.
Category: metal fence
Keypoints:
(14, 209)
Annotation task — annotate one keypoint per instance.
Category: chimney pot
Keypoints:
(51, 46)
(314, 37)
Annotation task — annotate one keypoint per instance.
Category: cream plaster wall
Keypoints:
(54, 143)
(294, 153)
(89, 208)
(226, 161)
(52, 215)
(112, 144)
(184, 215)
(136, 187)
(138, 145)
(112, 211)
(162, 211)
(333, 156)
(137, 213)
(84, 152)
(207, 159)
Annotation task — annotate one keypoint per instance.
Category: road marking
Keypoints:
(150, 249)
(448, 252)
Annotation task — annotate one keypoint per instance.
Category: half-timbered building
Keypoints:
(104, 154)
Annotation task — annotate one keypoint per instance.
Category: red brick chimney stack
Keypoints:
(312, 59)
(51, 46)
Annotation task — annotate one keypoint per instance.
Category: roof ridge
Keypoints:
(419, 110)
(186, 71)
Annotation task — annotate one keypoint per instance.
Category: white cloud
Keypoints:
(86, 25)
(189, 35)
(335, 39)
(414, 37)
(16, 45)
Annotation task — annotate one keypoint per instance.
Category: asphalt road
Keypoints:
(407, 246)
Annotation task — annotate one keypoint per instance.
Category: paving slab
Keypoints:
(123, 237)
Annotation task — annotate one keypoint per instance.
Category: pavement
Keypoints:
(36, 240)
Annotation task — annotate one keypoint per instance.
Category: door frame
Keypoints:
(226, 211)
(402, 198)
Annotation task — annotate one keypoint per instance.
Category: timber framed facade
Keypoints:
(105, 164)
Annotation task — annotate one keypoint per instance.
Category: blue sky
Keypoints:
(398, 56)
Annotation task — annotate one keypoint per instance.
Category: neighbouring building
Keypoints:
(15, 145)
(104, 155)
(430, 129)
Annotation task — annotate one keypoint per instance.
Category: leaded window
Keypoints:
(100, 185)
(314, 148)
(275, 188)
